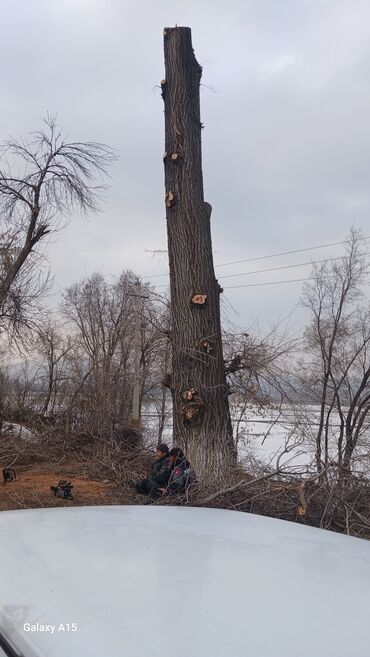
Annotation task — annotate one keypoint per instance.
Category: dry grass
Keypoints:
(104, 472)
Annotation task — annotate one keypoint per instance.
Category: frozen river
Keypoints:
(266, 437)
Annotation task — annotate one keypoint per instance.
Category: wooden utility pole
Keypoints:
(201, 417)
(135, 416)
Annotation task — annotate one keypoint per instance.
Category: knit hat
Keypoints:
(163, 448)
(177, 451)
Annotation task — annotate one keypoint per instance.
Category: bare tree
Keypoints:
(21, 395)
(103, 317)
(53, 346)
(42, 179)
(4, 393)
(258, 371)
(336, 370)
(156, 359)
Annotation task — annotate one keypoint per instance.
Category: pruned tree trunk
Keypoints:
(201, 417)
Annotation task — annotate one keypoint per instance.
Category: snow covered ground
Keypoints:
(19, 431)
(263, 438)
(275, 435)
(266, 442)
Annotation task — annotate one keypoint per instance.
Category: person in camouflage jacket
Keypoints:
(159, 475)
(182, 474)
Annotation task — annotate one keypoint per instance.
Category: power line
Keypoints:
(156, 275)
(275, 255)
(300, 264)
(232, 287)
(272, 255)
(292, 280)
(262, 271)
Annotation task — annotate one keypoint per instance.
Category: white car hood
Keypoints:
(152, 581)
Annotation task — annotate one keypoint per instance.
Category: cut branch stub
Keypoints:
(189, 395)
(220, 289)
(170, 199)
(163, 87)
(191, 411)
(199, 299)
(193, 406)
(206, 346)
(165, 155)
(174, 156)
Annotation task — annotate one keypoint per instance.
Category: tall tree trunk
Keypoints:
(201, 417)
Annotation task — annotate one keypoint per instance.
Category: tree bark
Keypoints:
(201, 417)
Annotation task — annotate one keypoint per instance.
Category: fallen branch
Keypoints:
(241, 484)
(359, 515)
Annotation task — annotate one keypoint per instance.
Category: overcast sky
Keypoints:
(286, 108)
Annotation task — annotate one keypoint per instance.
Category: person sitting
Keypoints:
(182, 475)
(159, 476)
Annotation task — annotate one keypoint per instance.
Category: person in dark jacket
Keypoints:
(159, 475)
(182, 474)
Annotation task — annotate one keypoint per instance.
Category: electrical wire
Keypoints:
(261, 271)
(292, 280)
(265, 257)
(275, 255)
(300, 264)
(232, 287)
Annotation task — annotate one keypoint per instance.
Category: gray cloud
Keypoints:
(285, 104)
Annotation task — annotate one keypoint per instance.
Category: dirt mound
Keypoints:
(32, 489)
